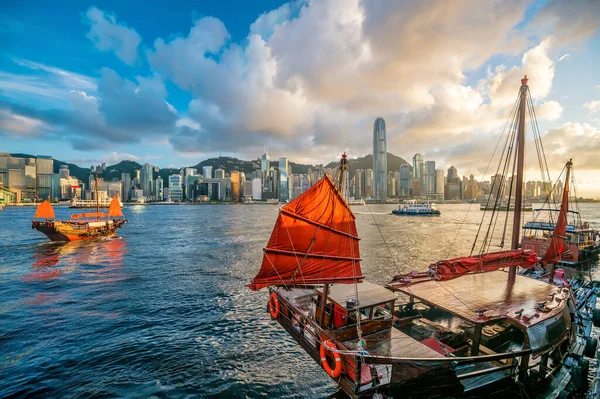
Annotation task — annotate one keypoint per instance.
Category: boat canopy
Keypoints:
(369, 294)
(452, 268)
(115, 208)
(314, 241)
(44, 211)
(88, 215)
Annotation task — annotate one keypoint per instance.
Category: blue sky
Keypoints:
(174, 83)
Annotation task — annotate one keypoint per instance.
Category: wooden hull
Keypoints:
(573, 255)
(65, 231)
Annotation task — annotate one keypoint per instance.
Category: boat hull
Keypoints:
(60, 231)
(411, 213)
(573, 255)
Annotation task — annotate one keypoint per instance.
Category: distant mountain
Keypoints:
(74, 170)
(366, 162)
(229, 164)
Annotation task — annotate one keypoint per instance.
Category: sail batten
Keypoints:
(314, 241)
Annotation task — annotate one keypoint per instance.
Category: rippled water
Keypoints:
(162, 310)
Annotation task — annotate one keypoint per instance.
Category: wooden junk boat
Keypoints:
(82, 226)
(579, 242)
(464, 328)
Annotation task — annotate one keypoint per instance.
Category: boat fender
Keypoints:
(580, 374)
(274, 306)
(596, 317)
(330, 346)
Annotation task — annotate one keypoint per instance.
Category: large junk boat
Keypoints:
(463, 328)
(83, 226)
(578, 243)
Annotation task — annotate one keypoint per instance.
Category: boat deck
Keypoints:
(490, 293)
(394, 343)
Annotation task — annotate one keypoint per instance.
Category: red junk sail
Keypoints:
(314, 241)
(558, 242)
(44, 211)
(449, 269)
(115, 208)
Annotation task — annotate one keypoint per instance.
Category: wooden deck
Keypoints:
(369, 294)
(394, 343)
(466, 295)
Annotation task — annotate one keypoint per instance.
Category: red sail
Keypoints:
(448, 269)
(44, 211)
(115, 208)
(314, 241)
(558, 242)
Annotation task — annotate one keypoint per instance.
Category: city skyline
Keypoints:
(111, 85)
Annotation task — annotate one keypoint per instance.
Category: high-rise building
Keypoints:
(188, 181)
(452, 173)
(235, 185)
(126, 194)
(207, 172)
(429, 177)
(219, 173)
(265, 165)
(257, 189)
(284, 190)
(359, 183)
(405, 177)
(146, 178)
(379, 160)
(64, 171)
(417, 161)
(159, 189)
(439, 181)
(44, 169)
(368, 182)
(175, 189)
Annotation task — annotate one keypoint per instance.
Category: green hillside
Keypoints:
(366, 162)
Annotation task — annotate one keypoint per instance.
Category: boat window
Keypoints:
(382, 311)
(365, 313)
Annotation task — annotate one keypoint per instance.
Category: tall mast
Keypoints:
(97, 199)
(520, 165)
(343, 166)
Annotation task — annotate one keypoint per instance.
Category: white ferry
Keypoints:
(412, 208)
(81, 203)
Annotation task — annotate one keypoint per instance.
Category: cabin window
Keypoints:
(382, 311)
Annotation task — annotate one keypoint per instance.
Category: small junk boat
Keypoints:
(464, 328)
(83, 226)
(412, 208)
(570, 240)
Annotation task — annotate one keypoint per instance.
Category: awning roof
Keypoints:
(369, 294)
(465, 295)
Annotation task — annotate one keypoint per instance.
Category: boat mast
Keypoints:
(343, 166)
(97, 199)
(512, 272)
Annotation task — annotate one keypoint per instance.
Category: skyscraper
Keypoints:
(146, 178)
(439, 181)
(417, 161)
(405, 177)
(430, 177)
(126, 194)
(284, 193)
(207, 172)
(235, 185)
(379, 160)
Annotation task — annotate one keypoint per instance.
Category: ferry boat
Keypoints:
(578, 241)
(464, 328)
(101, 203)
(354, 201)
(412, 208)
(83, 226)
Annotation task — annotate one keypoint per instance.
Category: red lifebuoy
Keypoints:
(274, 306)
(329, 346)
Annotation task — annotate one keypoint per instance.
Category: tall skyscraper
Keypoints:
(158, 189)
(146, 178)
(379, 160)
(265, 164)
(439, 181)
(235, 185)
(207, 172)
(126, 194)
(430, 177)
(417, 161)
(405, 177)
(175, 189)
(452, 173)
(284, 191)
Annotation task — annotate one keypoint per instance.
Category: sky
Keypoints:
(173, 83)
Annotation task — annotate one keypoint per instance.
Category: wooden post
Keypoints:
(323, 303)
(476, 339)
(523, 367)
(512, 271)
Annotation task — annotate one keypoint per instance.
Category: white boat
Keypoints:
(81, 203)
(412, 208)
(353, 201)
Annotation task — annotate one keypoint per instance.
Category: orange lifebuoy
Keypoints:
(329, 346)
(274, 306)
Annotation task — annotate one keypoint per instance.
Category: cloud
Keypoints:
(109, 35)
(593, 106)
(550, 110)
(569, 21)
(564, 57)
(574, 140)
(18, 126)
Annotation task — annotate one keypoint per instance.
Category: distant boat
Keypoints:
(412, 208)
(503, 207)
(103, 203)
(353, 201)
(569, 243)
(83, 226)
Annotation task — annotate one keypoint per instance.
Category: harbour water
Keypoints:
(163, 310)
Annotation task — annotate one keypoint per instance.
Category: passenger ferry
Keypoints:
(103, 203)
(412, 208)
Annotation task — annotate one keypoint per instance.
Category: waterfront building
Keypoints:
(359, 182)
(440, 181)
(430, 177)
(405, 178)
(189, 178)
(69, 188)
(55, 186)
(415, 187)
(417, 161)
(235, 185)
(391, 184)
(126, 194)
(175, 188)
(18, 174)
(452, 173)
(380, 187)
(219, 173)
(207, 172)
(248, 189)
(159, 189)
(44, 169)
(137, 178)
(257, 189)
(368, 183)
(146, 178)
(284, 191)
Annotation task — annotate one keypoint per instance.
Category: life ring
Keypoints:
(274, 306)
(329, 346)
